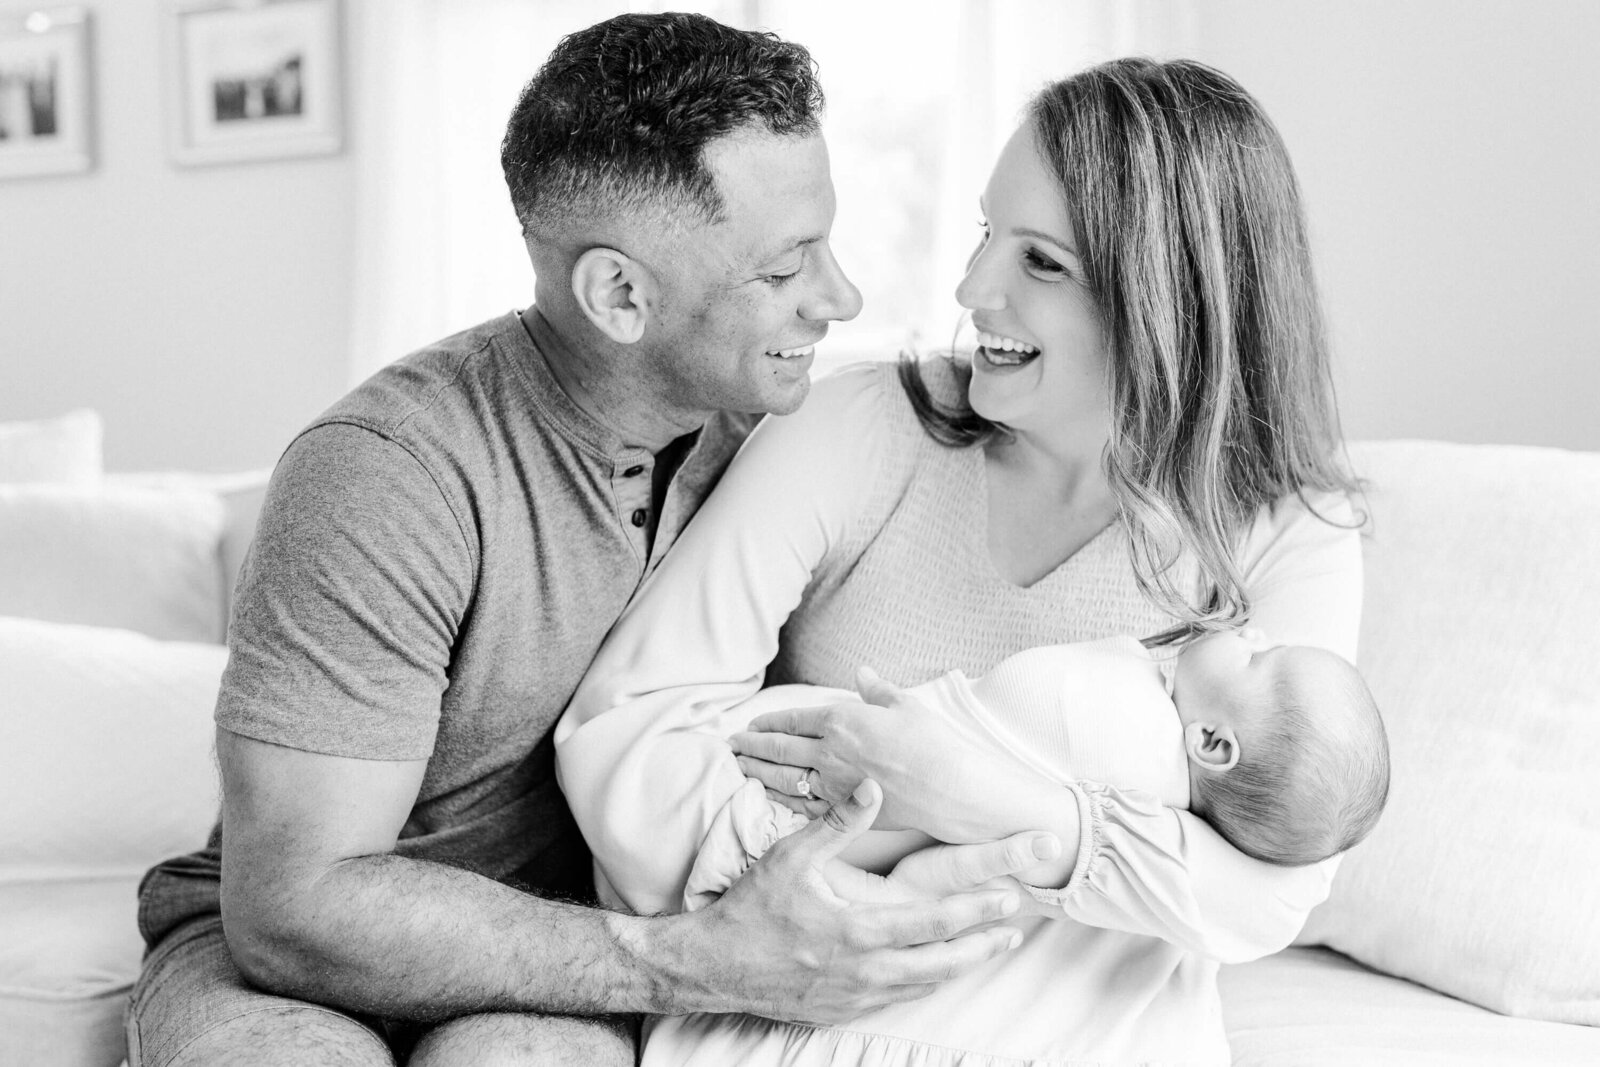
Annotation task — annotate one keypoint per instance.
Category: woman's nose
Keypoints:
(978, 289)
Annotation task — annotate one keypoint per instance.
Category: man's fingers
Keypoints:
(935, 921)
(941, 961)
(972, 865)
(843, 822)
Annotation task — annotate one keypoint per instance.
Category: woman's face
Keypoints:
(1040, 367)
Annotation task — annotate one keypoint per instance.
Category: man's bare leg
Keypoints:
(503, 1040)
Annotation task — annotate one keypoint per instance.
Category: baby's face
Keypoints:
(1228, 679)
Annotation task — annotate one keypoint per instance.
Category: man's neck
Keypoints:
(607, 393)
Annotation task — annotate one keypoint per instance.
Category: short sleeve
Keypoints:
(348, 602)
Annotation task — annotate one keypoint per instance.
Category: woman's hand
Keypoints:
(936, 776)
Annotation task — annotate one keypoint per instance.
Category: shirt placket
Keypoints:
(630, 488)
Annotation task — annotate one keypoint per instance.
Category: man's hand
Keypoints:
(939, 870)
(799, 937)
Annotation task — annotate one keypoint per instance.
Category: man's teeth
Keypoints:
(1006, 350)
(794, 353)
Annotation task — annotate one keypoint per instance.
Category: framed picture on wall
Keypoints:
(254, 79)
(45, 110)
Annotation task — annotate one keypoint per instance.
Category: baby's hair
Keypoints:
(1308, 788)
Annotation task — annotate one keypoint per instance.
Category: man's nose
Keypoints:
(835, 299)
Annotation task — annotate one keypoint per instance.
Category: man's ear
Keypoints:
(615, 291)
(1211, 746)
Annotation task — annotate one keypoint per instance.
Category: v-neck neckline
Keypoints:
(979, 538)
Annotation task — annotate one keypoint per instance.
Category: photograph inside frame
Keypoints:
(256, 82)
(44, 92)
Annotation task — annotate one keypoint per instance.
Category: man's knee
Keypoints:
(285, 1037)
(493, 1040)
(191, 1007)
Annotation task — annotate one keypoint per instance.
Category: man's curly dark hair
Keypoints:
(618, 117)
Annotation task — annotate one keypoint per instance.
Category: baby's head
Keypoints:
(1288, 758)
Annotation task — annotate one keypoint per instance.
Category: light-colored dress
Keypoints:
(864, 542)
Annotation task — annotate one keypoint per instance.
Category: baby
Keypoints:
(1280, 748)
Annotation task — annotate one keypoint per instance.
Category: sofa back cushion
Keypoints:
(131, 557)
(1479, 641)
(105, 750)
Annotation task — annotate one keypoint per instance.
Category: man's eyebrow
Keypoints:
(784, 248)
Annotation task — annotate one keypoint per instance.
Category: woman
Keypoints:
(1144, 442)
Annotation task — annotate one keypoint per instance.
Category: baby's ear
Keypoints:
(1213, 747)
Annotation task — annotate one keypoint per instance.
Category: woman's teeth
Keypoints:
(794, 353)
(1005, 351)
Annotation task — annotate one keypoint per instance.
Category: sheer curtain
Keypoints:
(920, 98)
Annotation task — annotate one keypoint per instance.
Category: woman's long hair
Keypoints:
(1188, 220)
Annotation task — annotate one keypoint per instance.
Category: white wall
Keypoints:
(1448, 150)
(203, 310)
(1450, 154)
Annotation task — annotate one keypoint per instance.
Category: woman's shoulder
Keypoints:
(866, 398)
(1305, 532)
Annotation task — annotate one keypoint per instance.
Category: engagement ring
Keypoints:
(803, 786)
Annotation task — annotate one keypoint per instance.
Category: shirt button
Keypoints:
(633, 472)
(639, 517)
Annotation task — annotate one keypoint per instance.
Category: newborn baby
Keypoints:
(1280, 748)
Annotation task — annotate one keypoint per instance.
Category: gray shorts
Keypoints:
(191, 1006)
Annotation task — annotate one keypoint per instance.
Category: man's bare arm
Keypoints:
(317, 906)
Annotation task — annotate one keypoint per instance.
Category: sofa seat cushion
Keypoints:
(1311, 1007)
(69, 953)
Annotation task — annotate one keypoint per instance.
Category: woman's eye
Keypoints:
(1042, 264)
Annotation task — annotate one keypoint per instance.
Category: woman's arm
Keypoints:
(1136, 865)
(641, 751)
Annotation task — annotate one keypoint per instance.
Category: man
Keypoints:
(438, 560)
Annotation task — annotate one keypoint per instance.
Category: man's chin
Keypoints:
(788, 400)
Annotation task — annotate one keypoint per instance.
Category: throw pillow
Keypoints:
(134, 558)
(1478, 640)
(66, 449)
(105, 750)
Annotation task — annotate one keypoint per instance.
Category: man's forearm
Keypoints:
(405, 938)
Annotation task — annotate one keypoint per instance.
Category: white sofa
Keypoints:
(1480, 889)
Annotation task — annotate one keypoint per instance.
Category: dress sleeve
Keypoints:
(641, 751)
(1166, 873)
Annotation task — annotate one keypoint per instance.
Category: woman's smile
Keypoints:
(1001, 351)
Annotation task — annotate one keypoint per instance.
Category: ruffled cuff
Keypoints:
(743, 830)
(1090, 797)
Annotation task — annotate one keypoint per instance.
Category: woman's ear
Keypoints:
(615, 292)
(1211, 746)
